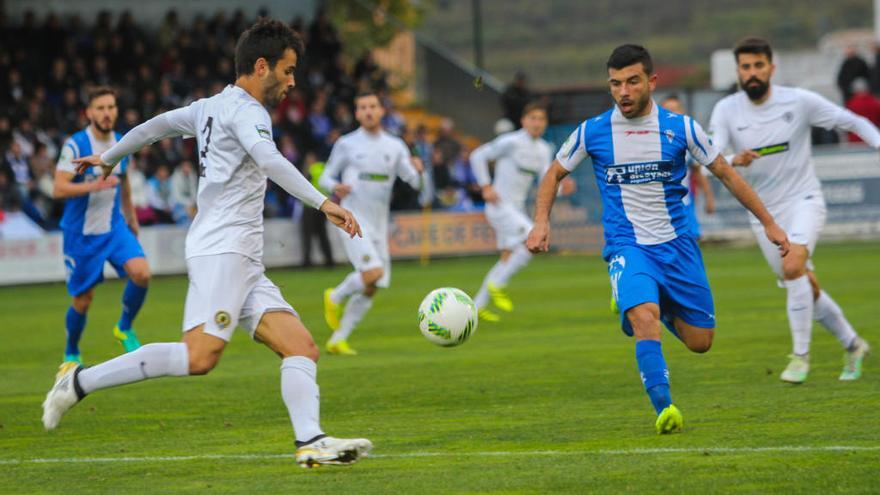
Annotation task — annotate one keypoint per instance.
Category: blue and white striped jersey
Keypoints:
(639, 165)
(91, 218)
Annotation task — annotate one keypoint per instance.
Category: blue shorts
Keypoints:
(85, 270)
(670, 275)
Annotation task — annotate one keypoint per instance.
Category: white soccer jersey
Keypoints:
(519, 159)
(779, 130)
(369, 163)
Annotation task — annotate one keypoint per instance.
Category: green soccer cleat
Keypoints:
(613, 306)
(332, 311)
(72, 358)
(852, 360)
(797, 370)
(500, 298)
(341, 348)
(669, 420)
(489, 315)
(127, 338)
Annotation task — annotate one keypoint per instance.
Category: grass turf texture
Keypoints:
(557, 375)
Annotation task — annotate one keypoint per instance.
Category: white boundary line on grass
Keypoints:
(515, 453)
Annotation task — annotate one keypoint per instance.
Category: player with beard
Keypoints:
(224, 246)
(654, 263)
(768, 126)
(99, 225)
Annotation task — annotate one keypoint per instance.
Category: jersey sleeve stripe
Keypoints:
(694, 137)
(577, 141)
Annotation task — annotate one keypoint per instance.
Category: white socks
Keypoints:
(515, 262)
(358, 306)
(149, 361)
(829, 314)
(299, 390)
(482, 297)
(799, 306)
(350, 285)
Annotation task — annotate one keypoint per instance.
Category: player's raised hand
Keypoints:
(777, 236)
(341, 218)
(86, 162)
(744, 158)
(539, 238)
(490, 194)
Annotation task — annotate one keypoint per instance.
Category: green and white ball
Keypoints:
(447, 316)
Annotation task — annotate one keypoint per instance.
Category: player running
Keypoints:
(224, 246)
(519, 157)
(99, 225)
(655, 266)
(361, 172)
(769, 127)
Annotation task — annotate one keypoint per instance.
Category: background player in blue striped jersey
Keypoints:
(99, 225)
(655, 266)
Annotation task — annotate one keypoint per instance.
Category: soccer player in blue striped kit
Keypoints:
(654, 263)
(99, 226)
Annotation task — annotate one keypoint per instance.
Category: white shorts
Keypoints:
(227, 290)
(368, 252)
(802, 221)
(511, 225)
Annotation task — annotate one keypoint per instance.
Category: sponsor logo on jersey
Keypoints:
(639, 173)
(771, 149)
(263, 131)
(222, 319)
(526, 171)
(670, 135)
(636, 133)
(373, 177)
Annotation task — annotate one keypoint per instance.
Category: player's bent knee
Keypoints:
(372, 276)
(645, 320)
(141, 277)
(201, 362)
(82, 302)
(700, 344)
(370, 290)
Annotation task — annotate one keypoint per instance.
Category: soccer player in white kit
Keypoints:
(224, 246)
(361, 171)
(768, 127)
(520, 156)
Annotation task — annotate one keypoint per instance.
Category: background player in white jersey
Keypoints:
(768, 127)
(519, 157)
(99, 226)
(224, 246)
(654, 263)
(361, 171)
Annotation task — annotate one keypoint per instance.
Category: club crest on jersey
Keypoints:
(788, 117)
(263, 131)
(670, 135)
(222, 319)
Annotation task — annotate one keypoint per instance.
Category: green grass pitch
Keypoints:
(547, 401)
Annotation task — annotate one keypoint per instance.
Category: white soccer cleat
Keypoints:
(329, 450)
(852, 360)
(797, 369)
(61, 397)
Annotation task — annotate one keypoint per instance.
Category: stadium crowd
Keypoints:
(47, 65)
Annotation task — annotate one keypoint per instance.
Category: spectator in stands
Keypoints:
(159, 194)
(137, 181)
(10, 199)
(863, 103)
(515, 98)
(446, 143)
(853, 67)
(313, 223)
(184, 188)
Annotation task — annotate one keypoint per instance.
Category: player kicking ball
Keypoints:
(99, 225)
(654, 263)
(519, 157)
(224, 246)
(769, 126)
(361, 172)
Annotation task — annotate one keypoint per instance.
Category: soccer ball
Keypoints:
(447, 316)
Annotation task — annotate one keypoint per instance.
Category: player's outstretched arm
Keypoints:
(169, 124)
(748, 198)
(539, 238)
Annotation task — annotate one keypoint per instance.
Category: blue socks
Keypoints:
(132, 300)
(75, 323)
(655, 376)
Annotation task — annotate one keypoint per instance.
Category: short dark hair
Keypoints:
(98, 91)
(626, 55)
(268, 39)
(755, 46)
(532, 106)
